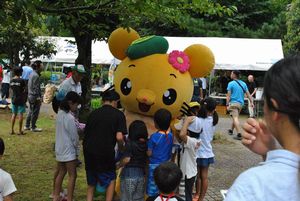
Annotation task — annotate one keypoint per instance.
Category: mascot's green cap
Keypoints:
(146, 46)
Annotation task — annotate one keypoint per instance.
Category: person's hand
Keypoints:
(189, 119)
(257, 137)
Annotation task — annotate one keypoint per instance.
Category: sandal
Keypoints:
(21, 133)
(195, 197)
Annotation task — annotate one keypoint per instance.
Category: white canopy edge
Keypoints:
(230, 53)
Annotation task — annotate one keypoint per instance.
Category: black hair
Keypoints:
(23, 63)
(2, 146)
(110, 95)
(138, 130)
(209, 105)
(167, 177)
(162, 119)
(237, 73)
(71, 96)
(36, 64)
(18, 71)
(282, 83)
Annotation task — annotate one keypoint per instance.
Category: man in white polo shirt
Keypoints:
(70, 84)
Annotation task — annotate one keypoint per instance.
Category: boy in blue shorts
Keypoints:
(159, 147)
(18, 87)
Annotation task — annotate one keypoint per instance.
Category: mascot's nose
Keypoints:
(146, 96)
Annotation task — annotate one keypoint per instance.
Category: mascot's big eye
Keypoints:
(126, 86)
(169, 97)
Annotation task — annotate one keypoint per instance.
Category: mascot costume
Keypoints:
(148, 78)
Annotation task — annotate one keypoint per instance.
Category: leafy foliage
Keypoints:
(18, 32)
(292, 38)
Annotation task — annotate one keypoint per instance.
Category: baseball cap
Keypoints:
(79, 68)
(194, 104)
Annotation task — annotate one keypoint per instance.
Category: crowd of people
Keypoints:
(146, 160)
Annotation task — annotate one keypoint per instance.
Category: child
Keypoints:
(277, 178)
(7, 186)
(134, 162)
(66, 145)
(18, 85)
(189, 134)
(159, 147)
(167, 177)
(205, 155)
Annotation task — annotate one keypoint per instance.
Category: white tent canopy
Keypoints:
(236, 53)
(230, 53)
(67, 51)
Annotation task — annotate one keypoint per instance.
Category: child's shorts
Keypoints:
(17, 109)
(205, 162)
(103, 178)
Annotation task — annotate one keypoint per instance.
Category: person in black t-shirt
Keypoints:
(197, 93)
(18, 86)
(252, 90)
(104, 128)
(134, 162)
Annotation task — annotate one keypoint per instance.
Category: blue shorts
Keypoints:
(205, 162)
(17, 109)
(151, 188)
(103, 179)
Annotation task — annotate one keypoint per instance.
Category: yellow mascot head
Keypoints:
(148, 78)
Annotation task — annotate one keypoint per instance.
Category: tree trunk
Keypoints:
(84, 46)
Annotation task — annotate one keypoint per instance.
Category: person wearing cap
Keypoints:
(69, 84)
(105, 127)
(236, 91)
(72, 83)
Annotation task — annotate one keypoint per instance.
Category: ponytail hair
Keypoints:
(71, 96)
(282, 83)
(209, 105)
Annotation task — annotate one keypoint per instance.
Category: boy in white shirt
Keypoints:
(189, 135)
(7, 186)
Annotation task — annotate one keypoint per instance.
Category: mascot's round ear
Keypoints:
(202, 60)
(119, 40)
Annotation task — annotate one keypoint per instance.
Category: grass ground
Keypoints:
(31, 161)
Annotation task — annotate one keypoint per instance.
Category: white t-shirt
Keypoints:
(66, 137)
(276, 179)
(6, 76)
(203, 79)
(188, 163)
(205, 150)
(7, 185)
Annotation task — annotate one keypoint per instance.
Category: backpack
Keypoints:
(49, 94)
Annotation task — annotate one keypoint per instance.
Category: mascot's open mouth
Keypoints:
(144, 107)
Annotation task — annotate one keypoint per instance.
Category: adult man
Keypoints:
(105, 126)
(235, 101)
(70, 84)
(5, 82)
(197, 93)
(27, 70)
(204, 86)
(34, 97)
(252, 90)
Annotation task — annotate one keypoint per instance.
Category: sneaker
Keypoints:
(26, 128)
(230, 132)
(36, 130)
(238, 136)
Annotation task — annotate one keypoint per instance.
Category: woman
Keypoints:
(278, 177)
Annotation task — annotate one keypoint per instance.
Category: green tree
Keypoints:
(292, 38)
(96, 19)
(18, 33)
